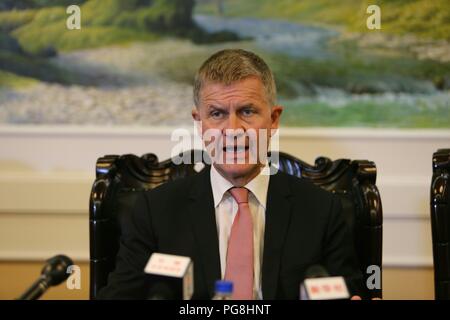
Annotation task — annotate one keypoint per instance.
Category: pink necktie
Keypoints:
(239, 267)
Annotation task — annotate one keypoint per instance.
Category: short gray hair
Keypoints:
(231, 65)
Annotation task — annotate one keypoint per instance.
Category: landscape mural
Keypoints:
(132, 62)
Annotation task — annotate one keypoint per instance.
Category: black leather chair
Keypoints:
(120, 178)
(440, 222)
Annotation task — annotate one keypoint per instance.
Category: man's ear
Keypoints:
(195, 114)
(275, 116)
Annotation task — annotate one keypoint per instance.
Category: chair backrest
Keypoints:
(120, 178)
(440, 222)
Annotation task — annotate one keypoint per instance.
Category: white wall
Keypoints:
(46, 175)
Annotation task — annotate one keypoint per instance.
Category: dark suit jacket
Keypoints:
(304, 226)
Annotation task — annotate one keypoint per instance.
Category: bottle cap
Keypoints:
(224, 286)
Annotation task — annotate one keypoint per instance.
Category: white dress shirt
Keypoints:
(226, 208)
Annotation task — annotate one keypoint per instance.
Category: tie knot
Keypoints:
(239, 194)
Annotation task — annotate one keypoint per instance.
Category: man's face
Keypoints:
(240, 107)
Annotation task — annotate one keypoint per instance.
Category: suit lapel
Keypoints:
(201, 208)
(278, 215)
(278, 212)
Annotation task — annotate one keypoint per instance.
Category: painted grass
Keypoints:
(367, 114)
(424, 18)
(12, 81)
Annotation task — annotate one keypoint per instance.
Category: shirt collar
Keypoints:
(258, 186)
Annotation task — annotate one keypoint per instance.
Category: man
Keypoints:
(260, 231)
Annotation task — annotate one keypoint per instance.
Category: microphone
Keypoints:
(161, 291)
(171, 277)
(319, 285)
(316, 271)
(53, 273)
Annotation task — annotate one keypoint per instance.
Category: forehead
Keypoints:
(246, 89)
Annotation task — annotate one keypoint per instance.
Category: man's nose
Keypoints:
(234, 129)
(234, 122)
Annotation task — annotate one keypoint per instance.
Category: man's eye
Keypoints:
(248, 112)
(216, 114)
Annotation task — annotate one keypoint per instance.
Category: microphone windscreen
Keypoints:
(161, 291)
(316, 271)
(55, 269)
